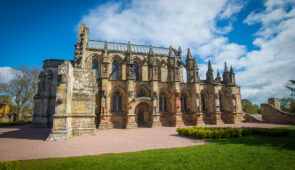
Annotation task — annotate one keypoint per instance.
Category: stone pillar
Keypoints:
(131, 122)
(104, 116)
(178, 114)
(217, 106)
(195, 87)
(155, 109)
(62, 123)
(274, 102)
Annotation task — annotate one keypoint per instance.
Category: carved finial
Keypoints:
(105, 45)
(231, 69)
(189, 54)
(225, 67)
(179, 50)
(218, 77)
(170, 51)
(129, 47)
(209, 74)
(151, 50)
(209, 65)
(195, 63)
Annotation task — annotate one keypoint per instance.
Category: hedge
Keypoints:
(228, 132)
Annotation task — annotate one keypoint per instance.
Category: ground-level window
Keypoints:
(163, 103)
(203, 103)
(117, 102)
(183, 103)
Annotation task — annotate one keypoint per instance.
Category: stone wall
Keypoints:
(75, 102)
(44, 100)
(270, 114)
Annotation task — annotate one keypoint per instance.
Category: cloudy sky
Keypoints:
(256, 37)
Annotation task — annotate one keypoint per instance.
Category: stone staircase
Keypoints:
(252, 117)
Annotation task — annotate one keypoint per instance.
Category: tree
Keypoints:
(22, 88)
(248, 107)
(291, 88)
(288, 104)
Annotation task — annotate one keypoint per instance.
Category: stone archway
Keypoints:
(143, 115)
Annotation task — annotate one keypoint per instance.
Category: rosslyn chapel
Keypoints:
(125, 85)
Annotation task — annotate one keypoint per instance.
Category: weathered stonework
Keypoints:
(271, 113)
(115, 85)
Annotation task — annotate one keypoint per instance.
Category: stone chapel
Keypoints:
(124, 85)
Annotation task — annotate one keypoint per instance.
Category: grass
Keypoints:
(14, 123)
(251, 152)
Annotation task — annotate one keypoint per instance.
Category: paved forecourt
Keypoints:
(25, 142)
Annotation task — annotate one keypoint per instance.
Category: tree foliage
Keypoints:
(288, 104)
(248, 107)
(22, 88)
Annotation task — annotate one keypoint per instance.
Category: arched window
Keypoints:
(221, 103)
(115, 70)
(136, 71)
(95, 67)
(203, 103)
(183, 103)
(163, 103)
(117, 102)
(141, 93)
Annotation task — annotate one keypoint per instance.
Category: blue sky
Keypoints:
(34, 30)
(254, 36)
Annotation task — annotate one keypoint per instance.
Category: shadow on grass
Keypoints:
(259, 140)
(25, 132)
(265, 141)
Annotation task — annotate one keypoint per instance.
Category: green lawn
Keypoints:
(251, 152)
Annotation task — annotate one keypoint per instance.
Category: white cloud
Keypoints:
(193, 24)
(6, 74)
(267, 70)
(160, 22)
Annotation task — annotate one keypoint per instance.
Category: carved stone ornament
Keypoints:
(130, 93)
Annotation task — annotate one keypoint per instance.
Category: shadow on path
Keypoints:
(25, 132)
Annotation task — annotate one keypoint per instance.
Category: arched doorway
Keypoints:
(143, 115)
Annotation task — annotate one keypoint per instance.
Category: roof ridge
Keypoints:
(130, 44)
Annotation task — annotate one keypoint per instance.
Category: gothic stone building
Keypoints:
(117, 85)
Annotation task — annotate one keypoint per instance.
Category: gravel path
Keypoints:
(25, 142)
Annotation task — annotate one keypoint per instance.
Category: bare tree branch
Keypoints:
(23, 88)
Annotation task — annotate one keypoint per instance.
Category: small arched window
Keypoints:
(117, 102)
(183, 103)
(115, 70)
(163, 103)
(221, 102)
(203, 103)
(95, 67)
(141, 93)
(136, 71)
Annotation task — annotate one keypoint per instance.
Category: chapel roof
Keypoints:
(122, 47)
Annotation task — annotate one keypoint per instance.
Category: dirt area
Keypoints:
(26, 142)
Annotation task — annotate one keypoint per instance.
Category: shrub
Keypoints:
(9, 165)
(219, 132)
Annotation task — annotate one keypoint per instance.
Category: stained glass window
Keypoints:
(95, 67)
(136, 71)
(115, 70)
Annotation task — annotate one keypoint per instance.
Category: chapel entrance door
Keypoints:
(143, 115)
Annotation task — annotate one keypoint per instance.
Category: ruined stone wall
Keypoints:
(44, 100)
(270, 114)
(83, 103)
(75, 102)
